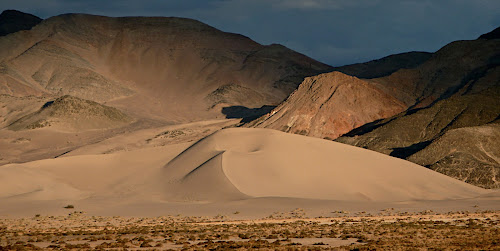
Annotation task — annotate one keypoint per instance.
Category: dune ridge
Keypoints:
(234, 168)
(268, 163)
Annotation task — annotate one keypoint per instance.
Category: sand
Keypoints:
(253, 171)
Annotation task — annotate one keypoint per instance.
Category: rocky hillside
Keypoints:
(469, 154)
(434, 114)
(329, 105)
(166, 68)
(318, 109)
(457, 136)
(69, 113)
(13, 21)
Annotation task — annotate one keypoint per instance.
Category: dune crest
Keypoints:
(238, 162)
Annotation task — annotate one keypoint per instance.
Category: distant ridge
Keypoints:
(385, 66)
(494, 34)
(13, 21)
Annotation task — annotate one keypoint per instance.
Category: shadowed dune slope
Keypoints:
(239, 162)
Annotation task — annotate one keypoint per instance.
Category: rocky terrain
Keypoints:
(114, 75)
(454, 136)
(172, 69)
(469, 154)
(73, 114)
(330, 105)
(120, 133)
(446, 72)
(403, 113)
(13, 21)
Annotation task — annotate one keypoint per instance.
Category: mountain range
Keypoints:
(413, 108)
(117, 114)
(149, 67)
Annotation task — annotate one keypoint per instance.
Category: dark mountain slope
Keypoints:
(450, 136)
(494, 34)
(386, 65)
(13, 21)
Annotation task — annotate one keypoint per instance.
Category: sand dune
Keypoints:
(238, 163)
(230, 167)
(264, 163)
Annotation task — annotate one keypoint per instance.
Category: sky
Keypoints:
(336, 32)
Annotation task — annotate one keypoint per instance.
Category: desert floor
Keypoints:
(194, 186)
(387, 230)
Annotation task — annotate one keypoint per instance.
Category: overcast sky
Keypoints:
(336, 32)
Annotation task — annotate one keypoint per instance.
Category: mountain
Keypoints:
(457, 133)
(386, 65)
(494, 34)
(332, 104)
(172, 69)
(404, 113)
(456, 136)
(71, 113)
(13, 21)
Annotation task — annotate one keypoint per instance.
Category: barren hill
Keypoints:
(404, 113)
(455, 136)
(318, 108)
(329, 105)
(13, 21)
(70, 113)
(167, 68)
(455, 132)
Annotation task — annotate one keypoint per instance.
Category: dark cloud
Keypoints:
(333, 31)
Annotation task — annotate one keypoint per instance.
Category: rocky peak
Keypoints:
(13, 21)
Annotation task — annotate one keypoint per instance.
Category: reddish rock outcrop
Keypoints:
(329, 105)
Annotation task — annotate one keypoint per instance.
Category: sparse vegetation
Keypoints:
(425, 230)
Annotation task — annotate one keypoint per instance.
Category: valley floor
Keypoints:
(135, 189)
(387, 230)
